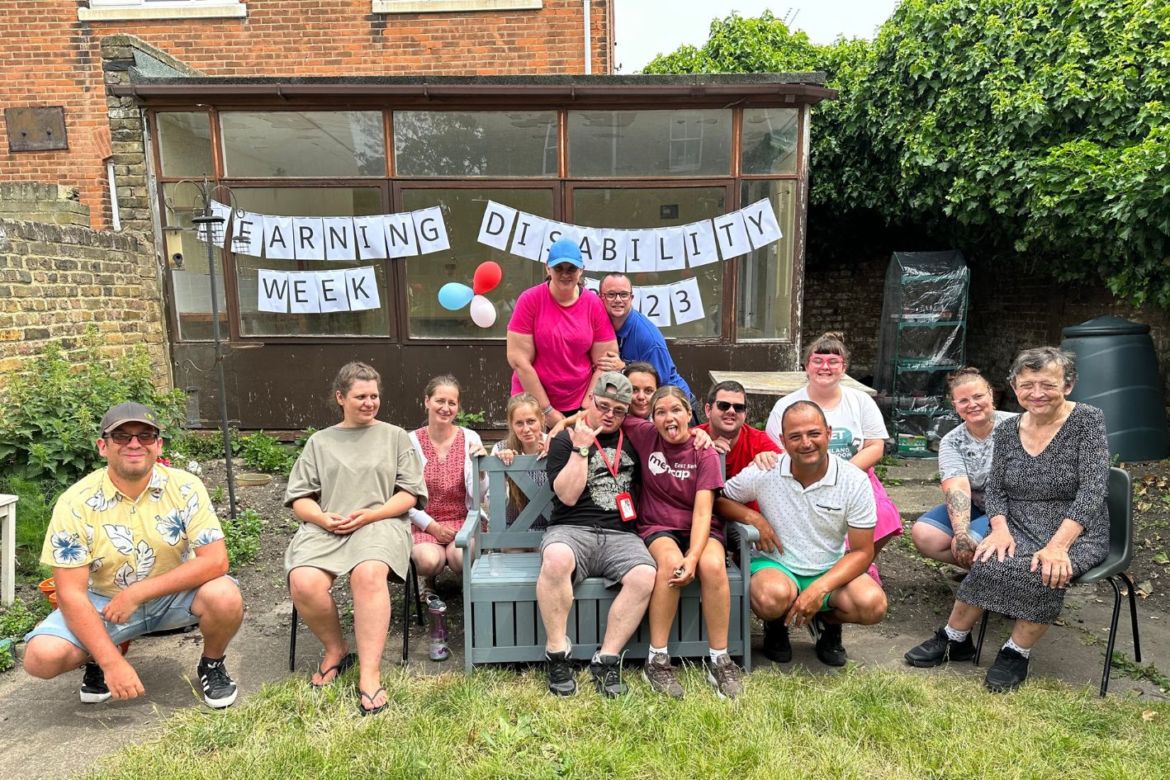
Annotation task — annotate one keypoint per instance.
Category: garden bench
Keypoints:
(501, 622)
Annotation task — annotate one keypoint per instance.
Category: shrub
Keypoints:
(49, 414)
(18, 619)
(261, 452)
(243, 537)
(33, 511)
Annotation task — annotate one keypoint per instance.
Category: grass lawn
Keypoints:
(863, 724)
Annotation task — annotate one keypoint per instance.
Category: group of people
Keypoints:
(641, 498)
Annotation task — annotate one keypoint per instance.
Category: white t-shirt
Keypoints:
(854, 419)
(811, 523)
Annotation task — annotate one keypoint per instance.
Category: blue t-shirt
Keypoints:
(639, 339)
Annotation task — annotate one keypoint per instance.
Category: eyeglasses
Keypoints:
(831, 362)
(145, 438)
(606, 409)
(723, 406)
(618, 296)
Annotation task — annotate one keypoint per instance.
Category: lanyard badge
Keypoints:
(625, 502)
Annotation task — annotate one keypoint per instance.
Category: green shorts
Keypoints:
(802, 581)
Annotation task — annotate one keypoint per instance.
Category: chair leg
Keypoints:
(406, 588)
(1112, 636)
(418, 605)
(982, 631)
(1137, 646)
(292, 641)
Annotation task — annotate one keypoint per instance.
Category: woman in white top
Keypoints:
(950, 531)
(859, 432)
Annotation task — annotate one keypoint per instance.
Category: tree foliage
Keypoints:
(1028, 131)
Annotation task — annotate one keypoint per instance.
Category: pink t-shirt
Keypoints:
(671, 476)
(563, 336)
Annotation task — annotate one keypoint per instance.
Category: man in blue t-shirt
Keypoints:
(638, 338)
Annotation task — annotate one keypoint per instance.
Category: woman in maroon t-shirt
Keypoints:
(679, 484)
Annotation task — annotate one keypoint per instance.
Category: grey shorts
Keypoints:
(600, 553)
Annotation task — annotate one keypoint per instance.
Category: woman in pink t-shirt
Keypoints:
(679, 483)
(557, 333)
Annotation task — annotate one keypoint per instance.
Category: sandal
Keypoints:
(373, 710)
(341, 667)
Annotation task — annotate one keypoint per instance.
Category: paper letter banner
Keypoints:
(400, 238)
(699, 240)
(593, 284)
(555, 232)
(731, 235)
(303, 289)
(669, 245)
(371, 240)
(339, 238)
(590, 243)
(640, 251)
(273, 291)
(278, 238)
(496, 226)
(309, 241)
(760, 221)
(609, 253)
(332, 292)
(432, 232)
(218, 229)
(362, 286)
(528, 239)
(248, 233)
(685, 302)
(656, 304)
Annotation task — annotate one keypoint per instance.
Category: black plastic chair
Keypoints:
(410, 586)
(1119, 502)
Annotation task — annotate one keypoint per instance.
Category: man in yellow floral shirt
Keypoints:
(120, 545)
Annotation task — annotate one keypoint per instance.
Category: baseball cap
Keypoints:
(128, 412)
(565, 250)
(615, 387)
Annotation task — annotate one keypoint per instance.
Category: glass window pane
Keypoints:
(769, 140)
(184, 143)
(189, 268)
(309, 202)
(303, 143)
(463, 212)
(692, 142)
(645, 208)
(480, 143)
(765, 275)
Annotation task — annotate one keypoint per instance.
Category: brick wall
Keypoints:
(49, 58)
(58, 279)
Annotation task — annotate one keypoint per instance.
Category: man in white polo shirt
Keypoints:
(812, 502)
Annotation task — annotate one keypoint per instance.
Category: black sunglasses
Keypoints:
(144, 437)
(723, 406)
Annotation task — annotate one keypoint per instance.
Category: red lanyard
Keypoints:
(617, 458)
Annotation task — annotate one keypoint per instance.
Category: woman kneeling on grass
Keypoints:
(351, 488)
(679, 483)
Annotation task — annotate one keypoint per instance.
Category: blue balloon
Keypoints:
(454, 296)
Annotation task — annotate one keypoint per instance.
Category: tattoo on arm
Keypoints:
(959, 510)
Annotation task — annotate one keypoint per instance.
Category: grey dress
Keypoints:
(1036, 494)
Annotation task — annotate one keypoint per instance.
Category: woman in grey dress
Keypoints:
(1046, 500)
(351, 488)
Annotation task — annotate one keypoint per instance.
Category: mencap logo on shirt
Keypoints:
(659, 465)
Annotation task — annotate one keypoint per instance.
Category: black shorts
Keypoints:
(681, 538)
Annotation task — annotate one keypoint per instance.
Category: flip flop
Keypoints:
(362, 702)
(341, 667)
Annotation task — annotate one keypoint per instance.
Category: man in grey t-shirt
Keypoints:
(812, 502)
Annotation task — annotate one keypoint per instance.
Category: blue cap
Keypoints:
(565, 250)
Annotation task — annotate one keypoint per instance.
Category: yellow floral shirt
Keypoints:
(123, 541)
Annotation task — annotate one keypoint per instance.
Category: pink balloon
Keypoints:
(487, 276)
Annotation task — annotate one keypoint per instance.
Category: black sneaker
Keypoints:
(607, 675)
(1009, 670)
(219, 690)
(829, 649)
(776, 645)
(561, 681)
(939, 649)
(93, 685)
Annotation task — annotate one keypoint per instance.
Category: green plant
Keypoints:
(18, 619)
(49, 413)
(7, 658)
(34, 509)
(243, 537)
(217, 494)
(468, 419)
(200, 445)
(261, 452)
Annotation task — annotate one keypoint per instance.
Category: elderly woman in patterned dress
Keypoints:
(1046, 500)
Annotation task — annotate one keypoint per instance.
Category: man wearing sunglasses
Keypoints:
(726, 411)
(135, 548)
(638, 338)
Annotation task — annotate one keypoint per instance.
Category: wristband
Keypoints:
(546, 411)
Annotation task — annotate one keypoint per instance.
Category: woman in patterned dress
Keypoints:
(446, 450)
(1046, 499)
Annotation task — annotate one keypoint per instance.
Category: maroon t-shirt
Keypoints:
(671, 476)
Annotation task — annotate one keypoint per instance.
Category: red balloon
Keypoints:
(487, 276)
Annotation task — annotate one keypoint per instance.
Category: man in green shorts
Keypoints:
(802, 574)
